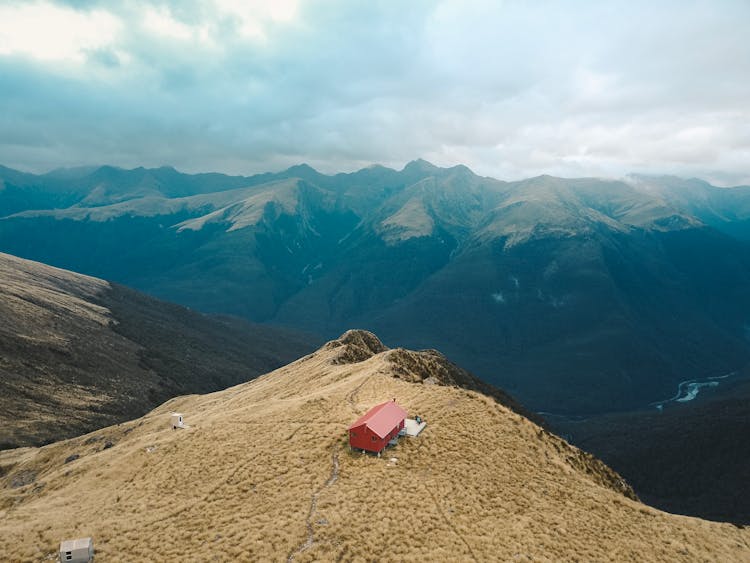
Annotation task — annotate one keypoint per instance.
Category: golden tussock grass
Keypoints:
(264, 473)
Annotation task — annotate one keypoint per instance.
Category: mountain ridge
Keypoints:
(593, 275)
(481, 481)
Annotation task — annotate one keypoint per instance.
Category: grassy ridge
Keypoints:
(264, 473)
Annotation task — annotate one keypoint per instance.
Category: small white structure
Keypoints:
(80, 550)
(177, 421)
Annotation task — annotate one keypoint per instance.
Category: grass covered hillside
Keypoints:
(264, 473)
(77, 353)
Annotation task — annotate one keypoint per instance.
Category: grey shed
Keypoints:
(80, 550)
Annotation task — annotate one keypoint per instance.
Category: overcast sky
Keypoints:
(510, 88)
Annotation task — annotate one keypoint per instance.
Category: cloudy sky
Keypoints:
(510, 88)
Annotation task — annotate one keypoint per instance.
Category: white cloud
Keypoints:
(46, 31)
(511, 89)
(253, 15)
(160, 21)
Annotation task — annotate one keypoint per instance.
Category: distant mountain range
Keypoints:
(78, 353)
(575, 295)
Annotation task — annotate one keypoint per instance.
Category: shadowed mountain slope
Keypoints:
(77, 353)
(263, 472)
(690, 458)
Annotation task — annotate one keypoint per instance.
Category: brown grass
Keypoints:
(252, 479)
(77, 354)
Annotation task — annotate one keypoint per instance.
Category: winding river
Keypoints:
(688, 390)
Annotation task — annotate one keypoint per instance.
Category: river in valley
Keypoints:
(688, 390)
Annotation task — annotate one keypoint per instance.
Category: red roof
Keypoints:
(381, 419)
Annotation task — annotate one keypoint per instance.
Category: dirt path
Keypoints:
(333, 477)
(352, 397)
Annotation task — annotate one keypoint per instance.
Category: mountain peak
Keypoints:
(301, 170)
(420, 165)
(167, 168)
(461, 169)
(356, 346)
(107, 168)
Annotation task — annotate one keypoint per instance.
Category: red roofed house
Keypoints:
(377, 427)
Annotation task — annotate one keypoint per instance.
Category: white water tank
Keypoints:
(80, 550)
(177, 421)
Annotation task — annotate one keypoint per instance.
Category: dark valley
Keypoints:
(578, 296)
